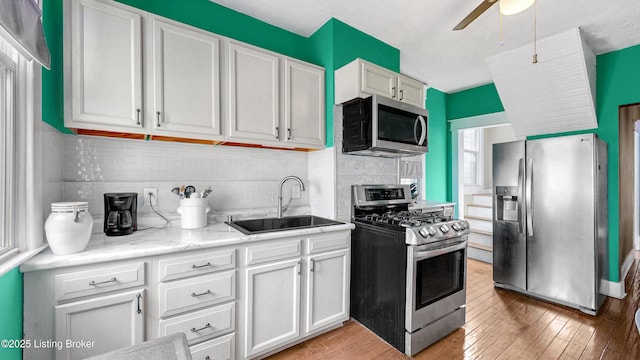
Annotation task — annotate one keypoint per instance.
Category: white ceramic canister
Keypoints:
(68, 227)
(194, 212)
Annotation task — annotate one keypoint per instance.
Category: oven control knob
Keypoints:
(464, 225)
(424, 232)
(456, 227)
(432, 231)
(444, 228)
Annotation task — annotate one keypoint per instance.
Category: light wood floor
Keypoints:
(502, 325)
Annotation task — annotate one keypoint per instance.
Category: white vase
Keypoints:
(194, 212)
(68, 227)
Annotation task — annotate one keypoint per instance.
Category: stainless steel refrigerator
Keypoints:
(550, 219)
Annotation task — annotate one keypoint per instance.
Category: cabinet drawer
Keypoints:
(258, 254)
(195, 293)
(222, 348)
(202, 325)
(328, 242)
(97, 281)
(201, 263)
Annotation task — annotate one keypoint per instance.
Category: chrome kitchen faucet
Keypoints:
(291, 177)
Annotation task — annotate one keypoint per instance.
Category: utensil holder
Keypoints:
(194, 212)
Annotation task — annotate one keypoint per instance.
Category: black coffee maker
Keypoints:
(120, 213)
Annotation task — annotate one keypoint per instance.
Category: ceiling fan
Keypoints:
(507, 7)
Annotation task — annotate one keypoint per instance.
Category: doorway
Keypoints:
(475, 200)
(627, 181)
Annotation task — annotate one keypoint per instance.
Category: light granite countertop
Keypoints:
(150, 242)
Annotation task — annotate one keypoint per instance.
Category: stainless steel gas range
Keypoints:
(408, 267)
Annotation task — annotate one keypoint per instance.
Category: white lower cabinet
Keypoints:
(327, 299)
(291, 294)
(101, 324)
(288, 289)
(222, 348)
(272, 309)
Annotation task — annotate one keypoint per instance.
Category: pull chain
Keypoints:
(501, 42)
(535, 17)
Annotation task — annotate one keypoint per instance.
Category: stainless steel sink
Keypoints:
(257, 226)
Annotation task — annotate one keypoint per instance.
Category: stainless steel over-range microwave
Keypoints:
(379, 126)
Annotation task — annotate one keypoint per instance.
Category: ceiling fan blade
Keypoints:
(486, 4)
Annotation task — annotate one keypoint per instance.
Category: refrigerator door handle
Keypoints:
(521, 220)
(529, 197)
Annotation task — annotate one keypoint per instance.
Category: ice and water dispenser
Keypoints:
(506, 203)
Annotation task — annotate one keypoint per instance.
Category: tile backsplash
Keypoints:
(244, 180)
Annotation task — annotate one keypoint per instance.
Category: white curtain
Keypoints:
(21, 25)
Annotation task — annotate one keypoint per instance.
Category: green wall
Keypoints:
(438, 159)
(472, 102)
(618, 83)
(11, 296)
(336, 44)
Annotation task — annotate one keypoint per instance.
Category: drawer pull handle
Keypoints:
(201, 266)
(93, 283)
(202, 328)
(204, 293)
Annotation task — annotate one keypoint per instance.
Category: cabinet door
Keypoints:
(411, 91)
(378, 81)
(327, 301)
(304, 104)
(104, 323)
(272, 308)
(186, 83)
(105, 67)
(254, 100)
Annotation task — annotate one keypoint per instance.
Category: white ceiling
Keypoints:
(453, 60)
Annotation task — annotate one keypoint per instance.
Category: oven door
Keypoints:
(436, 281)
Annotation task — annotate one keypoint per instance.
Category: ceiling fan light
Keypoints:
(511, 7)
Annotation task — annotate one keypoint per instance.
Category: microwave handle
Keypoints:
(423, 135)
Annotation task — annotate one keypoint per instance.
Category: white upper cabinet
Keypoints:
(361, 79)
(410, 91)
(180, 96)
(133, 72)
(377, 80)
(254, 97)
(186, 83)
(105, 70)
(304, 104)
(275, 100)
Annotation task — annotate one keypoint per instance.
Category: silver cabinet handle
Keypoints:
(299, 267)
(201, 294)
(138, 122)
(93, 283)
(139, 304)
(289, 134)
(401, 95)
(158, 118)
(202, 328)
(393, 92)
(277, 133)
(312, 265)
(201, 266)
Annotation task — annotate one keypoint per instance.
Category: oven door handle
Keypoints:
(426, 254)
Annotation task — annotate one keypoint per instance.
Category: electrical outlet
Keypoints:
(295, 192)
(154, 196)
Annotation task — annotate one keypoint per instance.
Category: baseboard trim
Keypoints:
(612, 289)
(616, 289)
